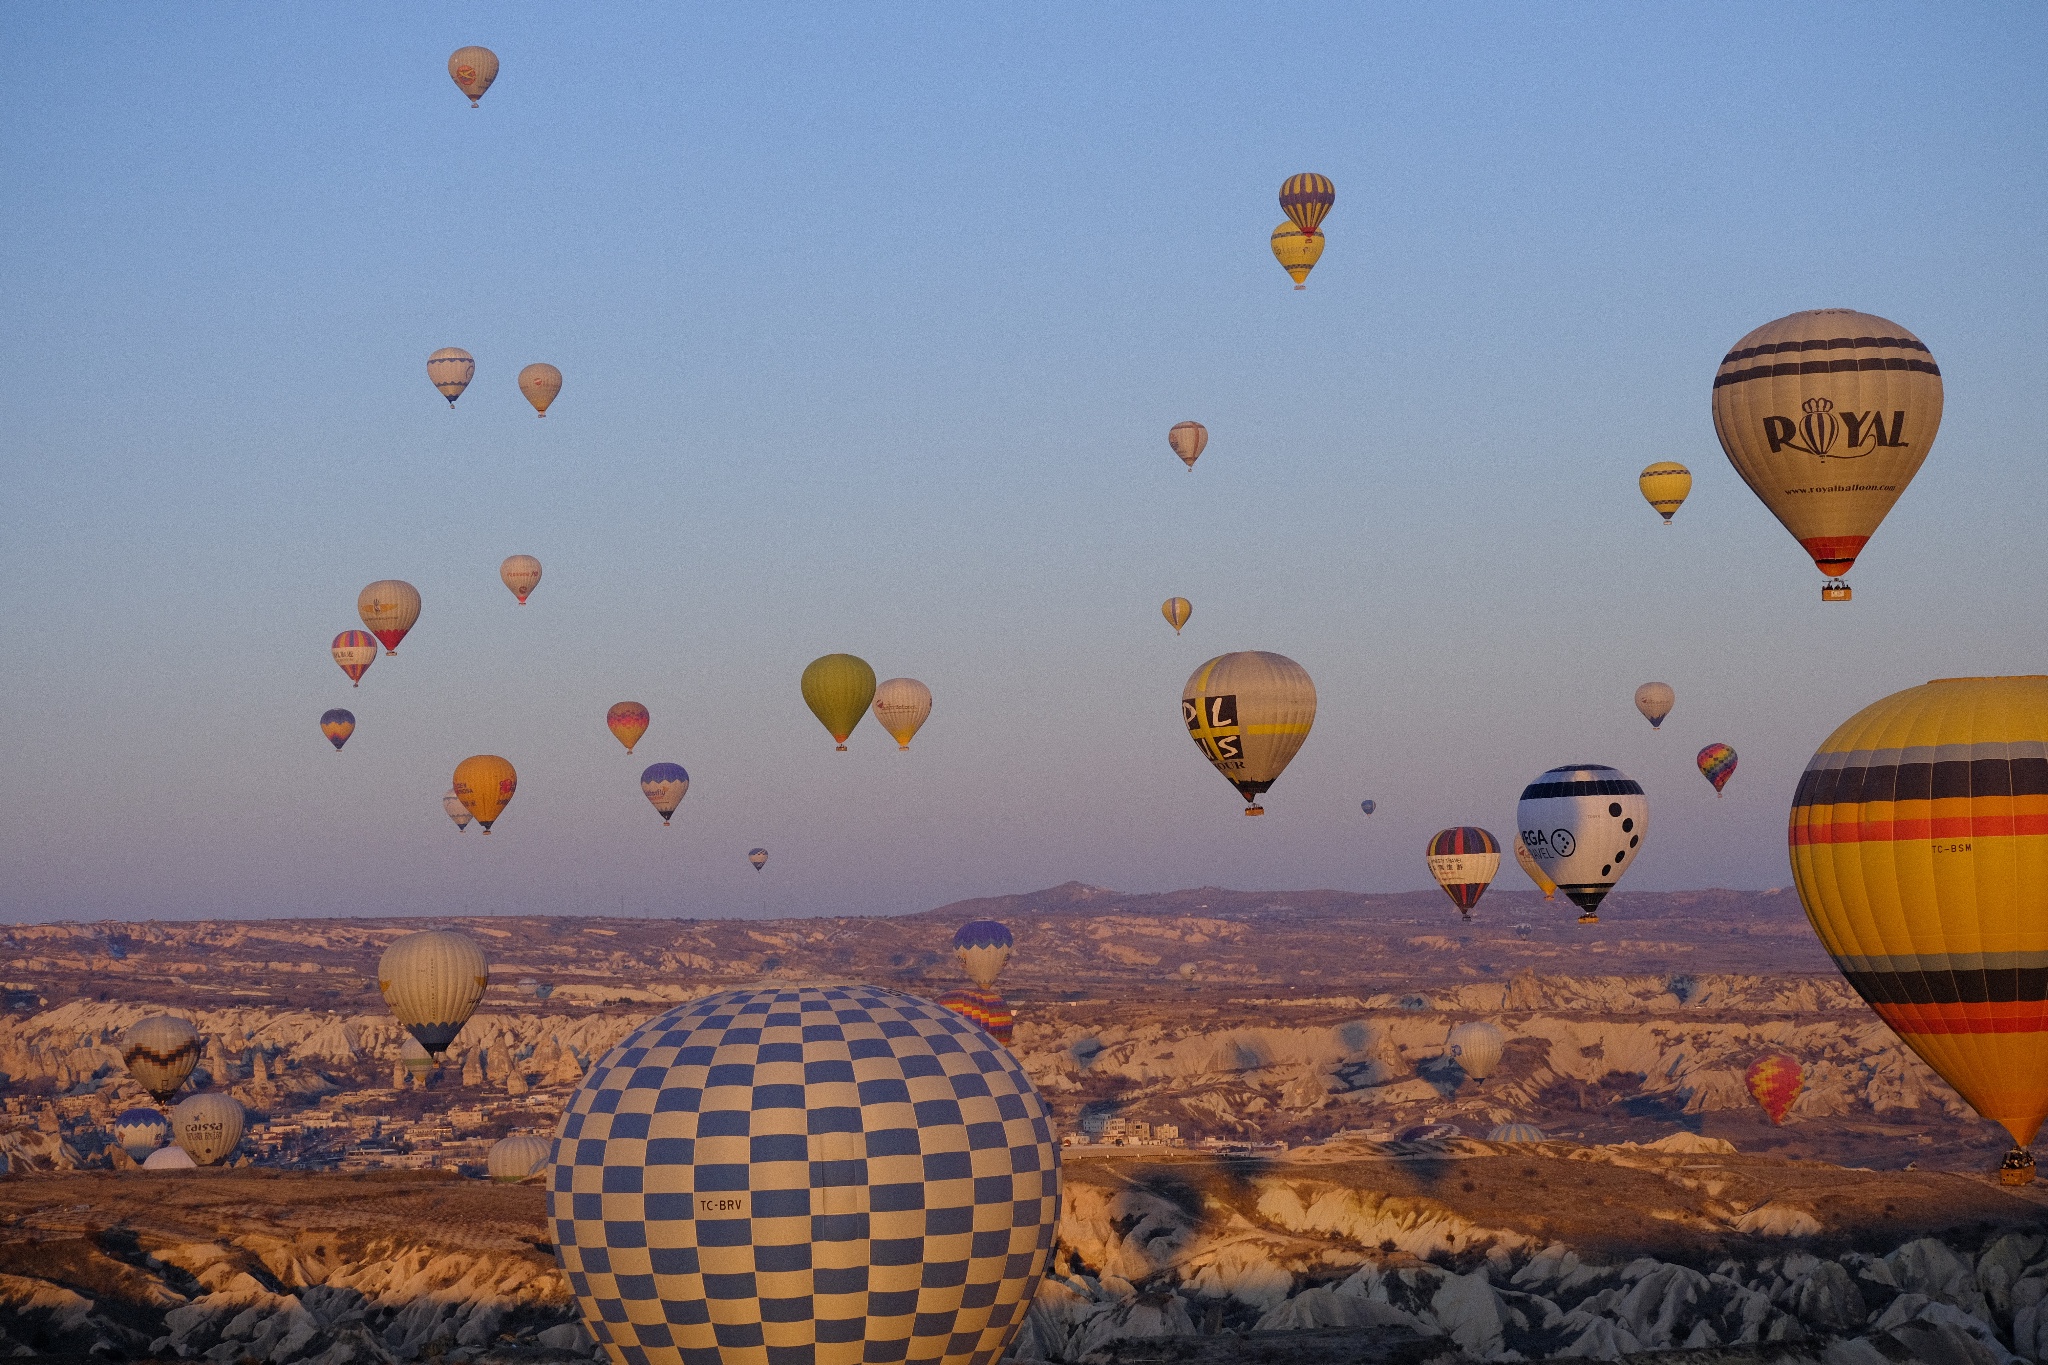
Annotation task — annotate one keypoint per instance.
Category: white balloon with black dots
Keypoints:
(1584, 824)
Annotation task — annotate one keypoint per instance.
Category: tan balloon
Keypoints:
(1827, 416)
(473, 69)
(160, 1053)
(433, 981)
(540, 383)
(1249, 713)
(521, 573)
(902, 705)
(1189, 440)
(450, 369)
(1655, 700)
(208, 1126)
(389, 607)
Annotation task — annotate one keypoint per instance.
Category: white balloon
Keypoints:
(208, 1125)
(1477, 1046)
(1584, 824)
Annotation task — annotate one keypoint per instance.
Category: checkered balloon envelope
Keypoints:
(815, 1176)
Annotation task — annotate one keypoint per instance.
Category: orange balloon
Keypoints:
(484, 784)
(628, 721)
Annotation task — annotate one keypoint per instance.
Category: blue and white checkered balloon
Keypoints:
(835, 1175)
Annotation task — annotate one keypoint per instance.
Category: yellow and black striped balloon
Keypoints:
(1306, 198)
(1919, 841)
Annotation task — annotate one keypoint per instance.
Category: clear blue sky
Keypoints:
(873, 321)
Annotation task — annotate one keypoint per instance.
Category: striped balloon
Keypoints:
(1919, 841)
(1463, 860)
(985, 1008)
(1774, 1082)
(1717, 765)
(1306, 198)
(354, 651)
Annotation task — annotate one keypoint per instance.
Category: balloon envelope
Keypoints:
(1189, 440)
(1463, 860)
(160, 1052)
(902, 705)
(172, 1158)
(1249, 714)
(1774, 1082)
(354, 651)
(140, 1132)
(413, 1057)
(1919, 840)
(432, 981)
(450, 369)
(1717, 765)
(1515, 1132)
(983, 947)
(516, 1157)
(520, 573)
(484, 784)
(627, 720)
(862, 1176)
(1176, 610)
(1296, 252)
(665, 784)
(1368, 806)
(208, 1126)
(758, 857)
(1306, 198)
(337, 725)
(459, 813)
(1583, 824)
(1655, 700)
(473, 69)
(1536, 874)
(541, 384)
(1827, 416)
(987, 1009)
(838, 689)
(1665, 486)
(1477, 1046)
(389, 607)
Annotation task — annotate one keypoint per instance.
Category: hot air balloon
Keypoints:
(1654, 700)
(1463, 860)
(512, 1159)
(208, 1126)
(1306, 198)
(337, 725)
(139, 1132)
(1918, 851)
(983, 946)
(540, 383)
(1583, 824)
(1189, 440)
(986, 1009)
(848, 1204)
(417, 1061)
(902, 705)
(665, 785)
(473, 69)
(1774, 1082)
(1717, 765)
(1536, 875)
(1665, 486)
(1476, 1046)
(484, 784)
(1297, 252)
(1176, 610)
(459, 813)
(627, 720)
(432, 981)
(1249, 714)
(389, 607)
(1368, 806)
(521, 573)
(355, 651)
(1516, 1133)
(171, 1158)
(1827, 415)
(160, 1052)
(450, 369)
(838, 688)
(758, 857)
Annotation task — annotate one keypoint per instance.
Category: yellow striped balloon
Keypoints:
(484, 784)
(1297, 251)
(1919, 840)
(1176, 610)
(1306, 198)
(1665, 486)
(838, 688)
(1249, 714)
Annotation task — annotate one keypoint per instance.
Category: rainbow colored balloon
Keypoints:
(1774, 1082)
(985, 1008)
(1717, 765)
(337, 725)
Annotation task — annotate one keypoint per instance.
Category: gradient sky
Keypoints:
(873, 320)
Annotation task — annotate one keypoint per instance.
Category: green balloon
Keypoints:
(838, 689)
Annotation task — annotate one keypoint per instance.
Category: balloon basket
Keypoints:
(1589, 918)
(2017, 1168)
(1834, 590)
(1254, 810)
